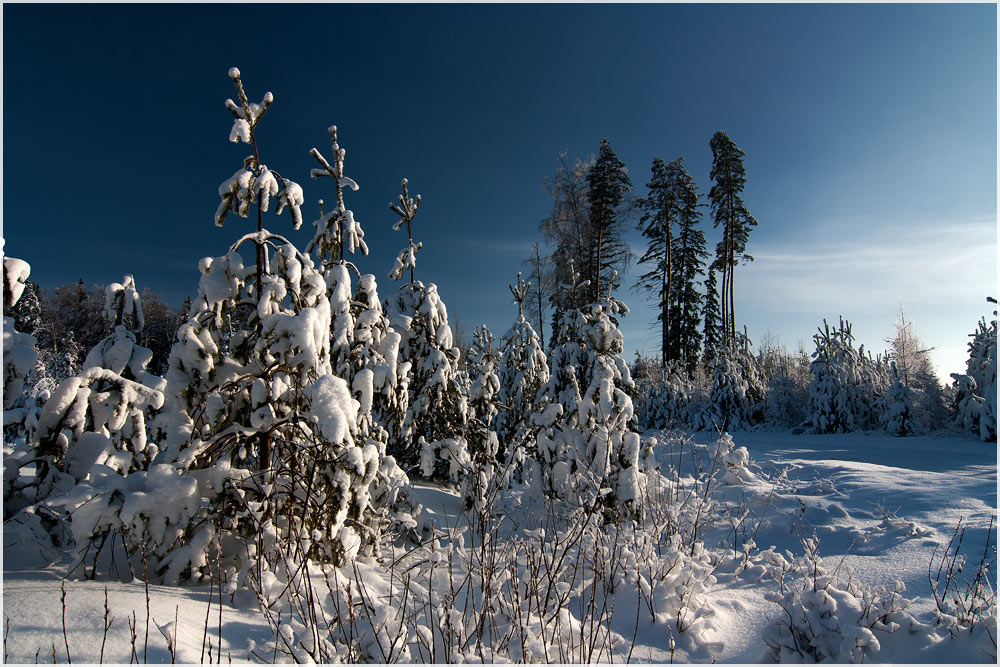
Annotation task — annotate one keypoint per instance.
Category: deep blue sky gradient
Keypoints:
(870, 133)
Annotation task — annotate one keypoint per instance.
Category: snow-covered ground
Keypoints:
(879, 507)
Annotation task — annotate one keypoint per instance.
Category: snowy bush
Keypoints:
(92, 432)
(824, 619)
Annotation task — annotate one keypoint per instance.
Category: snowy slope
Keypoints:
(879, 507)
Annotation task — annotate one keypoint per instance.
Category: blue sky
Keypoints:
(870, 134)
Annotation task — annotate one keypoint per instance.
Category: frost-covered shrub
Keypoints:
(824, 619)
(586, 444)
(975, 403)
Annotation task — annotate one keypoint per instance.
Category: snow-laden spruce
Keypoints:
(523, 370)
(432, 437)
(19, 353)
(899, 411)
(975, 402)
(258, 419)
(586, 444)
(92, 436)
(364, 349)
(669, 400)
(736, 399)
(847, 387)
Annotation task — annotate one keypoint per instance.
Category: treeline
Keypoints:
(837, 388)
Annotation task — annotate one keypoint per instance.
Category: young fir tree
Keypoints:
(523, 371)
(433, 430)
(900, 418)
(736, 400)
(364, 349)
(845, 386)
(586, 446)
(19, 353)
(255, 412)
(484, 389)
(607, 183)
(668, 402)
(975, 402)
(732, 215)
(713, 318)
(914, 369)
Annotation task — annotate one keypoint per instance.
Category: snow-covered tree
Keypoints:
(484, 389)
(845, 385)
(19, 412)
(523, 371)
(914, 369)
(586, 444)
(736, 399)
(337, 230)
(900, 417)
(91, 434)
(787, 378)
(668, 401)
(19, 353)
(255, 414)
(433, 430)
(975, 403)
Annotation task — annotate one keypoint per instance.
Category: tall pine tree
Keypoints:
(607, 182)
(688, 263)
(659, 214)
(675, 261)
(733, 216)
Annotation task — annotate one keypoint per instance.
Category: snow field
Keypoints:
(528, 584)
